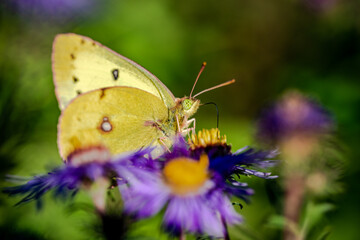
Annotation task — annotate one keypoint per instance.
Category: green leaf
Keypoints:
(277, 222)
(314, 214)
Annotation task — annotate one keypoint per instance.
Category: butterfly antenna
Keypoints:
(217, 86)
(198, 76)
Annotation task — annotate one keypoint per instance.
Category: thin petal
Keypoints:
(143, 196)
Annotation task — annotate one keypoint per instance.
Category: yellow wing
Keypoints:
(120, 118)
(81, 65)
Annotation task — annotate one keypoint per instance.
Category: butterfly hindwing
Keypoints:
(121, 118)
(81, 65)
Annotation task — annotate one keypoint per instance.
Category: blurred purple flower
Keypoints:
(293, 115)
(84, 168)
(54, 10)
(194, 187)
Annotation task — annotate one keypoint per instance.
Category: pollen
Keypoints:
(206, 138)
(186, 176)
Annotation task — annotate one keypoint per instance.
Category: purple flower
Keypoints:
(194, 186)
(83, 168)
(57, 10)
(293, 115)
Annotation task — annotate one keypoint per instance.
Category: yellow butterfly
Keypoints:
(110, 100)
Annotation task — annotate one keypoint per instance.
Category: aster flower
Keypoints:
(294, 114)
(299, 126)
(195, 185)
(295, 124)
(84, 168)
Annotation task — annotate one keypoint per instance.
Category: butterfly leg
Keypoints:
(192, 121)
(158, 127)
(188, 129)
(161, 140)
(178, 123)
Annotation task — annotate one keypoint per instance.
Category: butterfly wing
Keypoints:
(121, 118)
(81, 65)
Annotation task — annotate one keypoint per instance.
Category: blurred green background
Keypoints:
(268, 46)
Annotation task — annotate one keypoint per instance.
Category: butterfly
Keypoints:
(107, 99)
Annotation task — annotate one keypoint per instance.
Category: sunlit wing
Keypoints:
(81, 64)
(120, 118)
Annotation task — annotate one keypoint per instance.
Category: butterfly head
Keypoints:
(189, 105)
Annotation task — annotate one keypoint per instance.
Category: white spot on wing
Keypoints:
(106, 125)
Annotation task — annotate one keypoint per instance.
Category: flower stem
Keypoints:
(294, 186)
(226, 232)
(182, 235)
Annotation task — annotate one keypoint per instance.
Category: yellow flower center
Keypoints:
(206, 138)
(185, 175)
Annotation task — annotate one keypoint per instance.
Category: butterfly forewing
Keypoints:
(81, 65)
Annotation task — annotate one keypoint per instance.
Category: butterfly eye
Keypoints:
(187, 104)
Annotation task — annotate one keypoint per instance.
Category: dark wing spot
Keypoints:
(82, 41)
(115, 74)
(94, 44)
(72, 56)
(102, 93)
(78, 92)
(75, 79)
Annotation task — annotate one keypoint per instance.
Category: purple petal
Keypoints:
(192, 214)
(235, 163)
(144, 196)
(180, 149)
(66, 180)
(292, 115)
